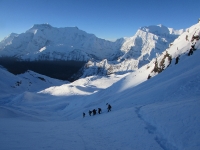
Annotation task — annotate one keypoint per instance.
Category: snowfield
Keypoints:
(160, 113)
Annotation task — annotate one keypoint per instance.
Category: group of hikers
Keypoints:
(94, 111)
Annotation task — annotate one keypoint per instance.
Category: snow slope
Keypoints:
(160, 113)
(29, 81)
(84, 86)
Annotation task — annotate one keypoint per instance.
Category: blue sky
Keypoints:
(108, 19)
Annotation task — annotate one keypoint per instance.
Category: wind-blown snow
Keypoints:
(160, 113)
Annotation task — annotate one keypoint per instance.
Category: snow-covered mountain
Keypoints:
(162, 112)
(148, 43)
(44, 42)
(7, 40)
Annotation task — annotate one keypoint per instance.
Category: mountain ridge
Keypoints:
(44, 42)
(43, 35)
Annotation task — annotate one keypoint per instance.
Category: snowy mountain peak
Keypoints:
(57, 42)
(13, 35)
(7, 40)
(49, 28)
(10, 37)
(158, 30)
(46, 25)
(176, 32)
(40, 27)
(161, 30)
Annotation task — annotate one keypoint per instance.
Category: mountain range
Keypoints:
(43, 42)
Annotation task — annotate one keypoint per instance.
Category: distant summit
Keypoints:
(161, 30)
(44, 42)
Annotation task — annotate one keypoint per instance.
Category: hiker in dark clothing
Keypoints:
(83, 115)
(177, 59)
(90, 112)
(94, 112)
(186, 37)
(109, 107)
(149, 76)
(190, 52)
(99, 110)
(193, 46)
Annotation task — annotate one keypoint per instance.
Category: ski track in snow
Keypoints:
(164, 144)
